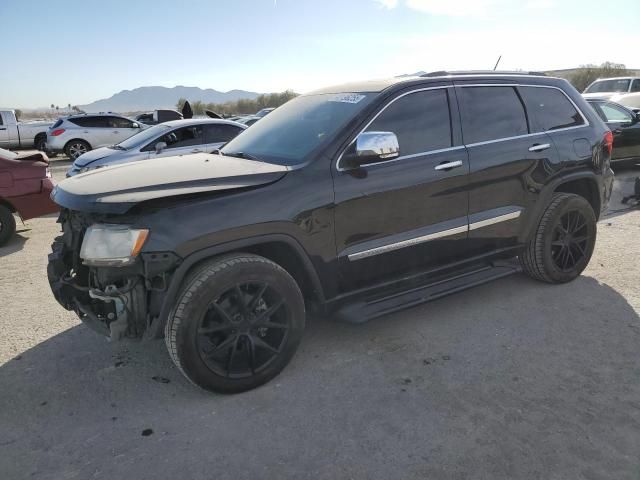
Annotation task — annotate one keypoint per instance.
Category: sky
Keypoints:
(78, 51)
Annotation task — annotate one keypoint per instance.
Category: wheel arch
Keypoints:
(6, 203)
(585, 187)
(39, 135)
(583, 183)
(279, 248)
(76, 140)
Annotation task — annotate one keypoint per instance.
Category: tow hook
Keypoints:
(119, 325)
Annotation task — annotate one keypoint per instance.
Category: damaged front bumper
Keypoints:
(118, 302)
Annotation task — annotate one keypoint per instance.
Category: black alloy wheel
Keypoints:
(243, 330)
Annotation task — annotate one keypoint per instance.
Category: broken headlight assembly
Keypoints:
(107, 245)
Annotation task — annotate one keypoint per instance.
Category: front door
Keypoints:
(408, 213)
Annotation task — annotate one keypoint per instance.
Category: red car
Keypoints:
(25, 186)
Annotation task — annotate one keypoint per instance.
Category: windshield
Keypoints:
(143, 137)
(288, 134)
(601, 86)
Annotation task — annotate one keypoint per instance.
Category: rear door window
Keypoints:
(218, 133)
(420, 120)
(635, 86)
(550, 109)
(492, 113)
(181, 137)
(90, 122)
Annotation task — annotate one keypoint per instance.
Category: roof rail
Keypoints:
(443, 73)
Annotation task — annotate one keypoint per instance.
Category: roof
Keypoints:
(375, 86)
(629, 77)
(198, 121)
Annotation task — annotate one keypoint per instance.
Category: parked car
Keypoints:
(622, 90)
(264, 112)
(158, 116)
(249, 120)
(179, 137)
(77, 134)
(15, 134)
(625, 125)
(356, 200)
(25, 189)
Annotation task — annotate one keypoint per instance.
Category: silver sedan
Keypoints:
(178, 137)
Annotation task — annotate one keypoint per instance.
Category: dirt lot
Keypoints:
(511, 380)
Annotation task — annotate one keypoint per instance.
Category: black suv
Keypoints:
(356, 200)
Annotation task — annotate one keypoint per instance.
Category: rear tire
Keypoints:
(75, 148)
(562, 245)
(236, 324)
(7, 225)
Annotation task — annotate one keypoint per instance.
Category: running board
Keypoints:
(372, 307)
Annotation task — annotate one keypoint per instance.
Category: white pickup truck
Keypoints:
(14, 134)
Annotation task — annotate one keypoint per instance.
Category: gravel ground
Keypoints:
(511, 380)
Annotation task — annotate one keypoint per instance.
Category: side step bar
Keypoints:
(370, 308)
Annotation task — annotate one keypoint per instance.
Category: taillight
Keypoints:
(608, 141)
(60, 131)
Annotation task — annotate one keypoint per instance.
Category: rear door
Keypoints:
(408, 213)
(505, 153)
(217, 134)
(93, 129)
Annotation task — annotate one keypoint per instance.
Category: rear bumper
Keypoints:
(36, 204)
(54, 144)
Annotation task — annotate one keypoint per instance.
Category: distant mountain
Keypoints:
(152, 98)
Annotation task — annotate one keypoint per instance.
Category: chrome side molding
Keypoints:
(492, 221)
(433, 236)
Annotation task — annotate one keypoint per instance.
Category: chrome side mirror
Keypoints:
(160, 146)
(371, 147)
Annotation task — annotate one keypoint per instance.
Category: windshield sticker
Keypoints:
(347, 98)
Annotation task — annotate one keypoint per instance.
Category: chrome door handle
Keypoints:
(448, 165)
(539, 147)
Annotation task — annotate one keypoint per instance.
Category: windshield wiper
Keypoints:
(246, 156)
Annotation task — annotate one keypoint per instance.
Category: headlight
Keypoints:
(112, 245)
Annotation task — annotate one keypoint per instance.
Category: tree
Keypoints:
(586, 74)
(242, 106)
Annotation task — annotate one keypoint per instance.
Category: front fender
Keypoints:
(156, 330)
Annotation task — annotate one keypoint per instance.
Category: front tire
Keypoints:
(7, 225)
(236, 324)
(563, 243)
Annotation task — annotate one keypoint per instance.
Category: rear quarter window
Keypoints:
(550, 109)
(55, 125)
(492, 113)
